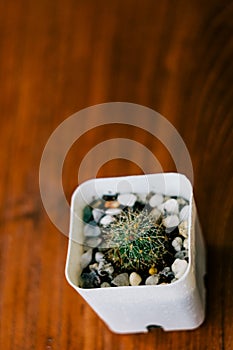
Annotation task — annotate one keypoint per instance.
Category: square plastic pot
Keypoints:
(132, 309)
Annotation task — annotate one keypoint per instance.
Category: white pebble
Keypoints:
(121, 280)
(91, 231)
(97, 214)
(179, 267)
(113, 211)
(99, 256)
(184, 213)
(171, 206)
(104, 268)
(135, 279)
(156, 200)
(186, 243)
(183, 229)
(152, 280)
(106, 220)
(127, 199)
(177, 243)
(171, 221)
(86, 258)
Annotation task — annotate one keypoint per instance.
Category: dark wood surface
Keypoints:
(57, 57)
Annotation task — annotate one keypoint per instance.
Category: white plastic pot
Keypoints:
(176, 306)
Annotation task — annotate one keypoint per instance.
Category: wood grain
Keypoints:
(57, 57)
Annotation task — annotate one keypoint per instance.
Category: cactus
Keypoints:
(136, 241)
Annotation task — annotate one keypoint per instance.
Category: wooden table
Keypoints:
(58, 57)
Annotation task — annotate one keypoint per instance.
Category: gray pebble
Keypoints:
(92, 242)
(105, 285)
(96, 203)
(183, 254)
(152, 280)
(121, 280)
(156, 213)
(97, 214)
(86, 258)
(91, 230)
(142, 197)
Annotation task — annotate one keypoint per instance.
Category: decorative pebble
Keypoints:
(113, 211)
(156, 200)
(135, 279)
(96, 203)
(121, 280)
(156, 213)
(142, 197)
(153, 270)
(183, 229)
(97, 214)
(183, 254)
(165, 271)
(181, 201)
(91, 230)
(152, 280)
(103, 211)
(110, 197)
(186, 243)
(174, 280)
(112, 204)
(171, 221)
(94, 267)
(105, 268)
(177, 243)
(86, 258)
(105, 285)
(184, 213)
(99, 256)
(89, 280)
(171, 206)
(127, 199)
(179, 267)
(92, 242)
(166, 275)
(87, 213)
(106, 220)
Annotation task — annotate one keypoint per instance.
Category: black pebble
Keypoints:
(89, 280)
(109, 197)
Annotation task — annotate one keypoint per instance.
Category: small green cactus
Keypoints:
(135, 241)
